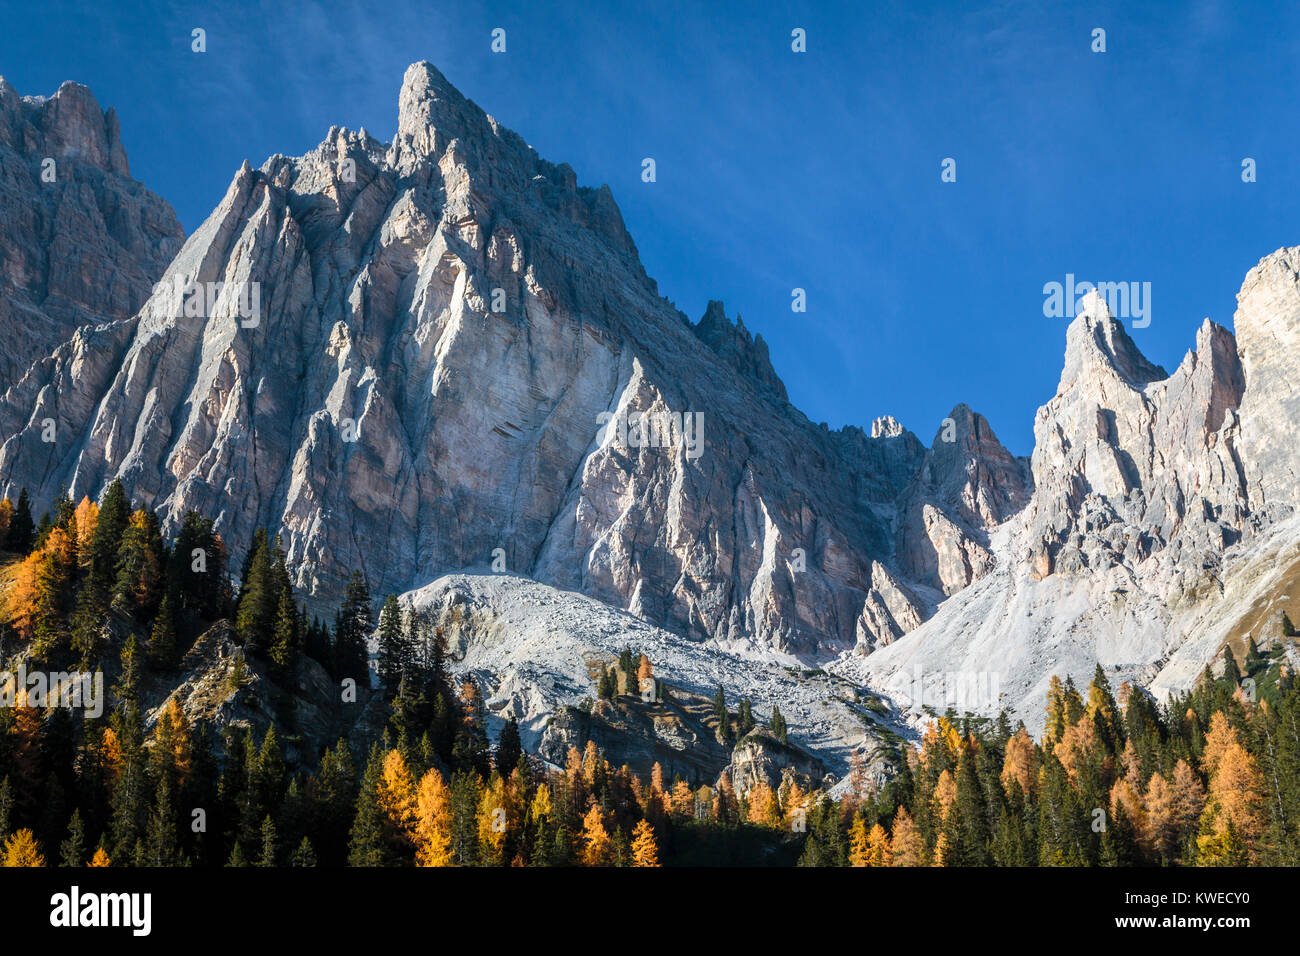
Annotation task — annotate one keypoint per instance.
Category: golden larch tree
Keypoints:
(595, 838)
(645, 851)
(433, 822)
(858, 849)
(396, 797)
(907, 844)
(21, 849)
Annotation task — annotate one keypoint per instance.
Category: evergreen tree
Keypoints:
(162, 642)
(353, 626)
(367, 845)
(509, 748)
(73, 851)
(269, 843)
(778, 725)
(18, 538)
(392, 640)
(722, 715)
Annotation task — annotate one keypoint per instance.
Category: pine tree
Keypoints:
(368, 845)
(745, 718)
(18, 537)
(392, 652)
(722, 716)
(509, 748)
(778, 725)
(137, 587)
(466, 793)
(354, 623)
(268, 856)
(162, 641)
(284, 635)
(73, 851)
(258, 602)
(304, 855)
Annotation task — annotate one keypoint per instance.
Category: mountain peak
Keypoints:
(68, 125)
(1096, 340)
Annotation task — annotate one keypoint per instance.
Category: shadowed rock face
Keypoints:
(449, 332)
(81, 242)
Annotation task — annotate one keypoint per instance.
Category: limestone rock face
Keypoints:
(442, 353)
(1157, 524)
(1268, 337)
(760, 758)
(81, 242)
(968, 485)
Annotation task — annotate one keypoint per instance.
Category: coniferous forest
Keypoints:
(1210, 779)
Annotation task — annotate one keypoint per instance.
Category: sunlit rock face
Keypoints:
(442, 353)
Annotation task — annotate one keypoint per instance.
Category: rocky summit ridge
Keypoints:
(451, 336)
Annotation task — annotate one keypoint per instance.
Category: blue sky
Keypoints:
(778, 170)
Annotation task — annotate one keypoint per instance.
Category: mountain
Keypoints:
(1161, 524)
(81, 242)
(432, 355)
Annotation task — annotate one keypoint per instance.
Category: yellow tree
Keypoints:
(86, 517)
(763, 808)
(174, 727)
(21, 849)
(908, 845)
(945, 794)
(595, 838)
(879, 850)
(1019, 763)
(433, 822)
(591, 764)
(1217, 741)
(645, 851)
(396, 796)
(1123, 794)
(1159, 807)
(1077, 744)
(541, 809)
(492, 822)
(1188, 797)
(858, 848)
(20, 604)
(1236, 794)
(100, 858)
(683, 801)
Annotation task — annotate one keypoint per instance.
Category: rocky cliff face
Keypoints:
(81, 242)
(442, 353)
(1157, 507)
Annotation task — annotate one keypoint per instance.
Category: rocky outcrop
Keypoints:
(81, 242)
(760, 758)
(440, 353)
(639, 735)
